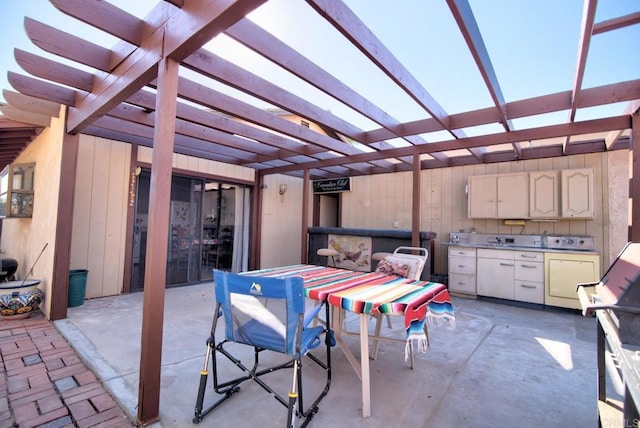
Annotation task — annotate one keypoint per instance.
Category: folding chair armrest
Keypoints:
(313, 313)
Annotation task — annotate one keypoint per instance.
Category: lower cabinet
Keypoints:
(495, 275)
(462, 270)
(525, 276)
(511, 275)
(529, 277)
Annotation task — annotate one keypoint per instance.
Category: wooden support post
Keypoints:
(64, 226)
(415, 206)
(156, 261)
(634, 188)
(305, 217)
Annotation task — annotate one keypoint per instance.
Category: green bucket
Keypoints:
(77, 287)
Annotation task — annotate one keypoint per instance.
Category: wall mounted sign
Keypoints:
(332, 185)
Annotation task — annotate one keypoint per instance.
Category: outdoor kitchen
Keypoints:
(532, 269)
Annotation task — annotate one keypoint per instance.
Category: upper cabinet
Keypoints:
(535, 195)
(543, 194)
(577, 193)
(498, 196)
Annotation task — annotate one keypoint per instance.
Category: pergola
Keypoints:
(150, 90)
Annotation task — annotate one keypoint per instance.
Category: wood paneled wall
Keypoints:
(384, 202)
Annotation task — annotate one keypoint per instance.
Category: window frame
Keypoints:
(8, 190)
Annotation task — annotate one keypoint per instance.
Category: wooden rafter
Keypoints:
(217, 126)
(469, 28)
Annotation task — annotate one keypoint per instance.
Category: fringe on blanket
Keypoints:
(421, 344)
(441, 320)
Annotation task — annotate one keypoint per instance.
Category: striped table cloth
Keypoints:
(375, 293)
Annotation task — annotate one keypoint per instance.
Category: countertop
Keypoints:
(517, 248)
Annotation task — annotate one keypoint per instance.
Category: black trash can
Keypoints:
(442, 278)
(77, 287)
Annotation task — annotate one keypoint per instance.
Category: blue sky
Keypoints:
(532, 44)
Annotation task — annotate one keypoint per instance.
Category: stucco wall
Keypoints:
(23, 239)
(281, 221)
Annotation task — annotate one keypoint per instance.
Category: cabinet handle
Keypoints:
(460, 265)
(528, 266)
(506, 264)
(528, 256)
(528, 286)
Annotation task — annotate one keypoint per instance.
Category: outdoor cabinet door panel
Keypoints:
(495, 276)
(565, 275)
(527, 291)
(513, 195)
(464, 265)
(577, 193)
(482, 196)
(543, 194)
(462, 283)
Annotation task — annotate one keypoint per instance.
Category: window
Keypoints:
(16, 190)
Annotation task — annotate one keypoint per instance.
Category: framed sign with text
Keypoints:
(332, 185)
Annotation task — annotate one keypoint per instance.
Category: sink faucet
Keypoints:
(499, 239)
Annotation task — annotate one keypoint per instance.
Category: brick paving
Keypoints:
(43, 382)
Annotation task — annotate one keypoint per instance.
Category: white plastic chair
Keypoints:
(416, 259)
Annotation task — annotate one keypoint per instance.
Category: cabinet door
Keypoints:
(464, 265)
(513, 201)
(495, 278)
(482, 196)
(577, 193)
(462, 283)
(543, 194)
(527, 291)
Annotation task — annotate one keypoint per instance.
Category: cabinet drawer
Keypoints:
(528, 291)
(462, 265)
(496, 254)
(530, 256)
(529, 271)
(462, 283)
(462, 252)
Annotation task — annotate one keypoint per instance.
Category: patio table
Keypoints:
(370, 293)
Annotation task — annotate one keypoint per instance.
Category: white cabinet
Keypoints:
(567, 193)
(495, 273)
(577, 193)
(462, 270)
(482, 196)
(544, 201)
(529, 277)
(498, 196)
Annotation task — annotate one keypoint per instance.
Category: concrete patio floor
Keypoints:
(502, 366)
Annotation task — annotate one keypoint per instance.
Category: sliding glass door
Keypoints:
(209, 229)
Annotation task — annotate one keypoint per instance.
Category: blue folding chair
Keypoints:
(267, 314)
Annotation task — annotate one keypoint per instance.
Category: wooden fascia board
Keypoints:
(613, 136)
